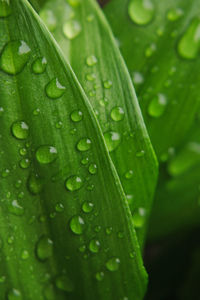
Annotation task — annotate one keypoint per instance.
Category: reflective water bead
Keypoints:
(64, 283)
(77, 225)
(74, 183)
(5, 8)
(129, 174)
(35, 184)
(24, 163)
(15, 208)
(76, 116)
(157, 106)
(141, 12)
(94, 246)
(14, 57)
(44, 248)
(71, 29)
(24, 255)
(85, 161)
(112, 140)
(91, 60)
(107, 84)
(113, 264)
(14, 294)
(93, 169)
(90, 77)
(54, 89)
(59, 207)
(39, 65)
(139, 217)
(84, 144)
(46, 154)
(22, 151)
(150, 50)
(99, 276)
(20, 130)
(117, 113)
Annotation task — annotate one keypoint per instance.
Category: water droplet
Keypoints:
(85, 161)
(71, 29)
(49, 18)
(157, 106)
(129, 174)
(141, 12)
(99, 276)
(74, 183)
(46, 154)
(24, 255)
(87, 207)
(107, 84)
(91, 77)
(139, 217)
(59, 124)
(24, 163)
(84, 144)
(39, 65)
(22, 151)
(94, 246)
(14, 294)
(54, 89)
(59, 207)
(117, 113)
(91, 60)
(5, 8)
(150, 50)
(82, 248)
(140, 153)
(76, 116)
(109, 230)
(20, 130)
(92, 169)
(112, 140)
(174, 14)
(1, 111)
(35, 184)
(77, 225)
(138, 78)
(103, 102)
(15, 208)
(97, 228)
(36, 112)
(44, 248)
(14, 57)
(64, 283)
(113, 264)
(189, 44)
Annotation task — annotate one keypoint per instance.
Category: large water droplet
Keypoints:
(71, 29)
(35, 184)
(113, 264)
(15, 208)
(64, 283)
(54, 89)
(39, 65)
(77, 225)
(157, 106)
(112, 140)
(141, 12)
(189, 44)
(139, 217)
(174, 14)
(44, 248)
(20, 130)
(46, 154)
(76, 116)
(74, 183)
(117, 113)
(5, 8)
(94, 246)
(84, 144)
(14, 294)
(14, 57)
(49, 19)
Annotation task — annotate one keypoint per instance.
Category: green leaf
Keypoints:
(87, 41)
(66, 229)
(163, 58)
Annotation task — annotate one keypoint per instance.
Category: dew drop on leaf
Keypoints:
(84, 144)
(54, 89)
(77, 225)
(113, 264)
(35, 184)
(137, 78)
(59, 207)
(46, 154)
(93, 169)
(14, 57)
(14, 294)
(20, 130)
(189, 43)
(24, 255)
(141, 12)
(129, 174)
(24, 163)
(87, 207)
(63, 283)
(44, 248)
(112, 140)
(150, 50)
(76, 116)
(15, 208)
(90, 77)
(157, 106)
(117, 113)
(71, 29)
(99, 276)
(139, 217)
(91, 60)
(39, 65)
(94, 246)
(74, 183)
(107, 84)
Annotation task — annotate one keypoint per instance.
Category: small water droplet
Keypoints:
(64, 283)
(49, 18)
(103, 102)
(84, 144)
(157, 106)
(72, 29)
(76, 116)
(15, 208)
(109, 230)
(39, 65)
(85, 161)
(35, 184)
(44, 248)
(46, 154)
(139, 217)
(36, 112)
(107, 84)
(22, 151)
(137, 78)
(91, 77)
(174, 14)
(59, 124)
(54, 89)
(20, 130)
(77, 225)
(14, 294)
(140, 153)
(82, 248)
(10, 240)
(74, 183)
(5, 173)
(91, 60)
(59, 207)
(5, 8)
(97, 228)
(87, 207)
(24, 163)
(129, 174)
(150, 50)
(117, 113)
(141, 12)
(99, 276)
(189, 44)
(92, 169)
(94, 246)
(24, 255)
(112, 140)
(1, 111)
(113, 264)
(14, 57)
